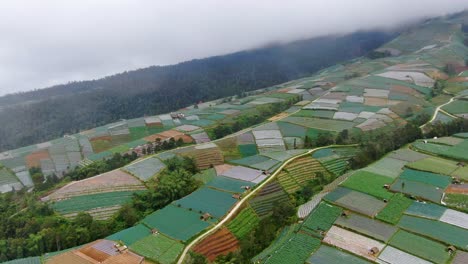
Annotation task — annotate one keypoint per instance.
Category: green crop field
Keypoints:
(205, 175)
(315, 113)
(418, 189)
(6, 176)
(369, 227)
(455, 152)
(430, 178)
(336, 166)
(355, 201)
(249, 161)
(426, 210)
(267, 197)
(295, 250)
(457, 107)
(387, 166)
(434, 164)
(88, 202)
(446, 233)
(158, 248)
(248, 150)
(131, 235)
(228, 184)
(178, 223)
(30, 260)
(298, 172)
(394, 209)
(319, 123)
(291, 130)
(328, 255)
(370, 183)
(321, 218)
(458, 201)
(243, 223)
(286, 233)
(420, 246)
(207, 200)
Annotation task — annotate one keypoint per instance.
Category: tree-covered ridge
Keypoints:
(69, 108)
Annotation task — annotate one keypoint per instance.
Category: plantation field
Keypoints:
(370, 183)
(336, 166)
(131, 235)
(318, 123)
(321, 218)
(291, 130)
(420, 246)
(314, 113)
(205, 176)
(298, 172)
(145, 169)
(92, 201)
(396, 256)
(458, 201)
(266, 198)
(186, 225)
(206, 200)
(112, 181)
(355, 201)
(247, 150)
(286, 234)
(295, 251)
(409, 155)
(228, 147)
(457, 107)
(418, 189)
(366, 226)
(443, 232)
(228, 184)
(326, 255)
(30, 260)
(352, 242)
(426, 210)
(455, 152)
(243, 223)
(158, 248)
(219, 243)
(394, 209)
(387, 166)
(435, 165)
(430, 178)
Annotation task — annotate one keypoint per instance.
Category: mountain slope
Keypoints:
(52, 112)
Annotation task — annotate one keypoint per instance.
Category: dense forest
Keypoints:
(41, 115)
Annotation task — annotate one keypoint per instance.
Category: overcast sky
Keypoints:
(49, 42)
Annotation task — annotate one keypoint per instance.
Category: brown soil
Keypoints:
(221, 242)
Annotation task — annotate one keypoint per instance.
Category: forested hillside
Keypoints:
(41, 115)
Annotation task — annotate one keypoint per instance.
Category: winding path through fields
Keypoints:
(233, 211)
(437, 111)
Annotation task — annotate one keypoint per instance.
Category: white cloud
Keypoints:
(50, 42)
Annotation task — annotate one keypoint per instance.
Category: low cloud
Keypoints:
(52, 42)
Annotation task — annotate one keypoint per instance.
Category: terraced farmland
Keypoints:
(219, 243)
(267, 197)
(298, 172)
(243, 223)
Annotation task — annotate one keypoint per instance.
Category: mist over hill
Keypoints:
(44, 114)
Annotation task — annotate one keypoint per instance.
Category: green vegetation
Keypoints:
(326, 255)
(434, 164)
(243, 223)
(426, 210)
(248, 150)
(395, 208)
(434, 179)
(92, 201)
(321, 219)
(158, 248)
(131, 235)
(370, 183)
(295, 250)
(458, 201)
(420, 246)
(446, 233)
